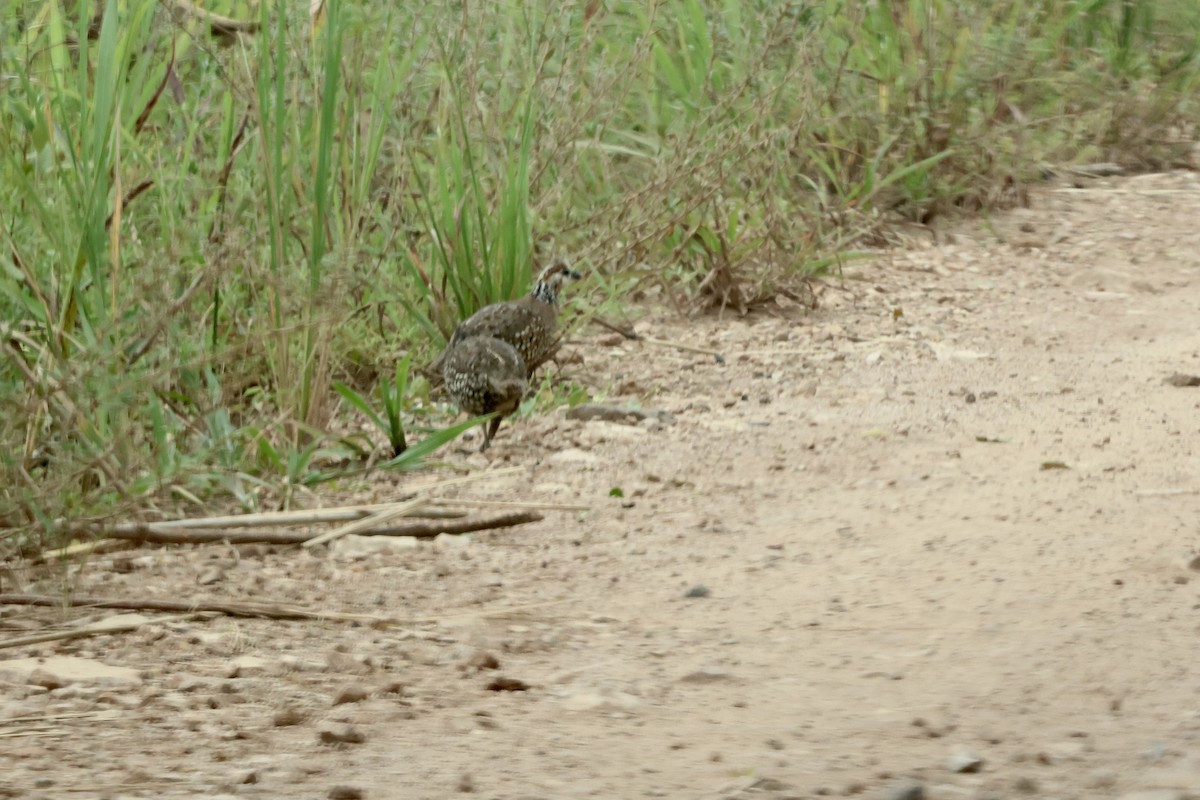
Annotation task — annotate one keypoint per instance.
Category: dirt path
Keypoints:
(894, 585)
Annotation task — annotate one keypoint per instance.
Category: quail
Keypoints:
(485, 374)
(527, 323)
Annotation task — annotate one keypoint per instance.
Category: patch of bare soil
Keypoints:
(937, 538)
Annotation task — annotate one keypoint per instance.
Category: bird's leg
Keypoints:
(493, 426)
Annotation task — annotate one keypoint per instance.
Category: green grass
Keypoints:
(216, 250)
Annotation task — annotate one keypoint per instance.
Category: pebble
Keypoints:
(964, 762)
(904, 790)
(1072, 750)
(479, 661)
(351, 694)
(1025, 785)
(601, 698)
(287, 717)
(210, 576)
(572, 455)
(341, 734)
(1102, 779)
(707, 675)
(589, 412)
(699, 590)
(346, 793)
(246, 667)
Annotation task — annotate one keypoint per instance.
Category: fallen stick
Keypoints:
(281, 518)
(339, 514)
(153, 533)
(52, 717)
(482, 612)
(628, 333)
(367, 522)
(259, 610)
(92, 630)
(681, 346)
(229, 608)
(532, 506)
(126, 530)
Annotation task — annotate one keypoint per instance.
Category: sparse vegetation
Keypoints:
(215, 247)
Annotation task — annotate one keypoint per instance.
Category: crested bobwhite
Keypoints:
(528, 323)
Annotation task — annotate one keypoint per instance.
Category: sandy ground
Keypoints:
(846, 567)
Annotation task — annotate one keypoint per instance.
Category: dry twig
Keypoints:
(399, 510)
(155, 533)
(97, 629)
(230, 607)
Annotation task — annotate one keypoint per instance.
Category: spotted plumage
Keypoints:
(528, 323)
(485, 374)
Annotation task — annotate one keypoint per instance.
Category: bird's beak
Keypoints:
(575, 276)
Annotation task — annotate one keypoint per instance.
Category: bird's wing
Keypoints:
(501, 320)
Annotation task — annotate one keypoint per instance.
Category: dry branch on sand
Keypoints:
(154, 533)
(441, 517)
(200, 610)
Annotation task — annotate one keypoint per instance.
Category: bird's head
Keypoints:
(552, 279)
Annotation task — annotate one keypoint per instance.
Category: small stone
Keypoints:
(1070, 750)
(572, 455)
(904, 790)
(346, 793)
(1025, 785)
(599, 698)
(346, 664)
(964, 762)
(45, 679)
(588, 412)
(479, 661)
(341, 734)
(699, 590)
(1155, 751)
(286, 717)
(508, 685)
(246, 667)
(350, 694)
(768, 785)
(210, 576)
(466, 783)
(706, 675)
